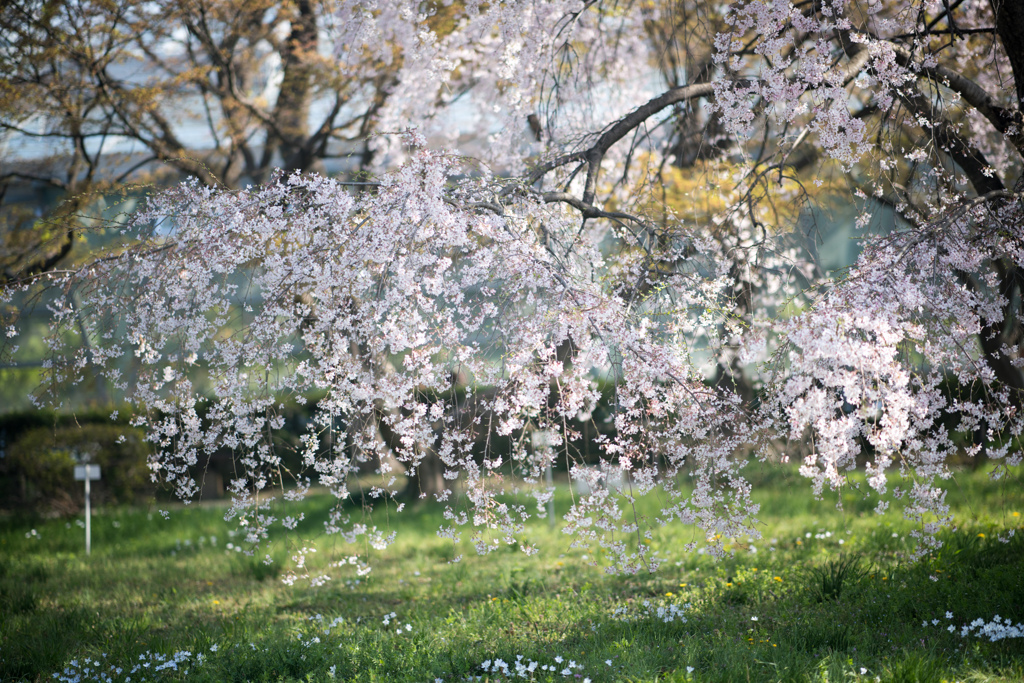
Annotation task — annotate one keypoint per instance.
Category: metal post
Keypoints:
(87, 473)
(88, 519)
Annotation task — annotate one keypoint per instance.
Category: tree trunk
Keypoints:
(427, 480)
(1010, 28)
(291, 111)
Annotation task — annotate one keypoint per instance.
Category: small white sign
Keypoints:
(90, 472)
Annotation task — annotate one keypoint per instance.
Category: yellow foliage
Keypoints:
(707, 192)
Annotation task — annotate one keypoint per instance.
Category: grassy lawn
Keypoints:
(826, 595)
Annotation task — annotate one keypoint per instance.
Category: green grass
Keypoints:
(825, 595)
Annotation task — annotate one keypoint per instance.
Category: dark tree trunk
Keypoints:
(427, 480)
(1010, 28)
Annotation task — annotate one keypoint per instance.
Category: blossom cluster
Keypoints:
(527, 669)
(851, 387)
(666, 613)
(150, 666)
(995, 630)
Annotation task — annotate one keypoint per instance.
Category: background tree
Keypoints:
(223, 90)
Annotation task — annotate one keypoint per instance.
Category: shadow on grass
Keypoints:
(802, 613)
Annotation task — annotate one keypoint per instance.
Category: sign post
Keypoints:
(87, 473)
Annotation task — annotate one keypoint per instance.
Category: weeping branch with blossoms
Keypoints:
(376, 301)
(645, 238)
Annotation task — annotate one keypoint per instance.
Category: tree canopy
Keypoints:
(635, 225)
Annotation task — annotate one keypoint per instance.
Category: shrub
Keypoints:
(42, 462)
